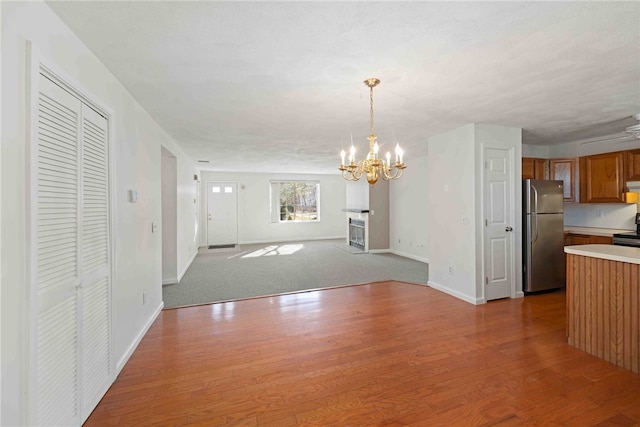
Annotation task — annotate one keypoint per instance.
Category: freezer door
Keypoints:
(542, 196)
(544, 252)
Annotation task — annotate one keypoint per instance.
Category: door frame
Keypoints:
(206, 209)
(515, 261)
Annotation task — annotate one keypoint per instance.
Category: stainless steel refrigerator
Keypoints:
(543, 237)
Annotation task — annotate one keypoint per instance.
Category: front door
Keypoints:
(222, 213)
(499, 212)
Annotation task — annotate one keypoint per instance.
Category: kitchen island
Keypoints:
(603, 300)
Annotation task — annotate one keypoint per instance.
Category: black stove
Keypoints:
(629, 239)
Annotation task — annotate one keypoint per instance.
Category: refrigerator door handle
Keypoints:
(534, 213)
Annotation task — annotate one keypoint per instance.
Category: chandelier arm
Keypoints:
(348, 177)
(396, 175)
(358, 170)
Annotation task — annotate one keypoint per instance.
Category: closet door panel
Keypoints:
(55, 274)
(96, 349)
(95, 185)
(57, 188)
(57, 382)
(95, 320)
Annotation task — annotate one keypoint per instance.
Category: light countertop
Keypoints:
(610, 252)
(592, 231)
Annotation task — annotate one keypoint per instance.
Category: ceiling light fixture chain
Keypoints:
(371, 165)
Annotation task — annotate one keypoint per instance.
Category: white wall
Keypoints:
(357, 194)
(409, 211)
(254, 208)
(454, 203)
(450, 191)
(538, 151)
(135, 145)
(169, 230)
(578, 148)
(188, 238)
(601, 215)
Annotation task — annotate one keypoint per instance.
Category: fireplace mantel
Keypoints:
(356, 210)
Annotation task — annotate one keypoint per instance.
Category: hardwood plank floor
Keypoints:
(385, 354)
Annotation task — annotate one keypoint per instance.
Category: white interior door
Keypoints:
(222, 213)
(56, 219)
(498, 206)
(70, 326)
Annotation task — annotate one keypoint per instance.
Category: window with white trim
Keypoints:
(295, 201)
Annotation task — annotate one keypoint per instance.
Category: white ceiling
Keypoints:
(277, 86)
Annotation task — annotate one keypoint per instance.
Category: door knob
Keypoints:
(508, 229)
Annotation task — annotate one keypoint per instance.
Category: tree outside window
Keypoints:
(298, 201)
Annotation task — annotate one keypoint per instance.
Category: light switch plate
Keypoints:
(133, 196)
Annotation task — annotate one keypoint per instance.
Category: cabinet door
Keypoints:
(633, 165)
(565, 170)
(601, 240)
(602, 178)
(528, 168)
(578, 239)
(535, 168)
(541, 168)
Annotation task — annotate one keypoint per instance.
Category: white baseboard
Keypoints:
(125, 358)
(379, 251)
(300, 239)
(457, 294)
(175, 280)
(186, 267)
(406, 255)
(519, 294)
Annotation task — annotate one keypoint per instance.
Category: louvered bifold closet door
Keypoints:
(55, 251)
(95, 319)
(70, 329)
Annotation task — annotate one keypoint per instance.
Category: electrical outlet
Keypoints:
(144, 298)
(451, 269)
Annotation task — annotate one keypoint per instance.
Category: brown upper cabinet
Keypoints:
(633, 165)
(602, 178)
(565, 170)
(535, 168)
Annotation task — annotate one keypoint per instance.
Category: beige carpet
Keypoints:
(267, 269)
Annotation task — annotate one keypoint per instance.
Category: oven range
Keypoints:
(629, 239)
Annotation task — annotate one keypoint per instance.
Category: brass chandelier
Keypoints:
(371, 165)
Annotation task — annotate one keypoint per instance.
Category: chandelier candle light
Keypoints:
(371, 165)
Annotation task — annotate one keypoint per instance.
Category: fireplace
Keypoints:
(357, 235)
(357, 230)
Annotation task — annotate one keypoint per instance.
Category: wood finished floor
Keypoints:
(383, 354)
